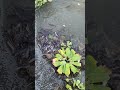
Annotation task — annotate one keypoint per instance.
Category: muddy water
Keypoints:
(66, 17)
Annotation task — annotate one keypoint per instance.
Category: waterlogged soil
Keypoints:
(55, 22)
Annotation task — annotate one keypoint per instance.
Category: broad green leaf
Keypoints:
(62, 62)
(67, 79)
(77, 82)
(62, 52)
(60, 69)
(90, 61)
(76, 63)
(73, 52)
(98, 75)
(105, 69)
(69, 87)
(67, 69)
(58, 56)
(73, 69)
(45, 1)
(81, 86)
(74, 83)
(76, 57)
(90, 64)
(99, 87)
(54, 59)
(56, 64)
(68, 53)
(64, 68)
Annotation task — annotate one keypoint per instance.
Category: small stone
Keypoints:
(48, 56)
(64, 26)
(78, 4)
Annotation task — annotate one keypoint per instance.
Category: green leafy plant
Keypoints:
(39, 3)
(73, 84)
(67, 60)
(96, 76)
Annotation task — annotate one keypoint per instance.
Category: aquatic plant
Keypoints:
(67, 60)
